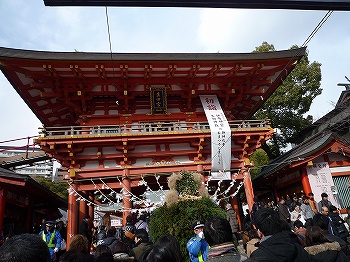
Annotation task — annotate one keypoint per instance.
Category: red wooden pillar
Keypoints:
(200, 170)
(73, 214)
(2, 207)
(234, 204)
(83, 208)
(276, 194)
(248, 188)
(305, 181)
(28, 224)
(91, 208)
(127, 205)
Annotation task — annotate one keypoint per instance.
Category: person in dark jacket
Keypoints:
(159, 253)
(283, 210)
(111, 241)
(101, 234)
(255, 206)
(320, 248)
(324, 202)
(275, 244)
(323, 222)
(25, 247)
(141, 244)
(295, 202)
(78, 244)
(129, 226)
(84, 228)
(171, 242)
(300, 232)
(339, 228)
(101, 249)
(218, 233)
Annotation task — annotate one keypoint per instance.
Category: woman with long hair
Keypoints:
(320, 248)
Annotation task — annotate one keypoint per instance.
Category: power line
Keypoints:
(109, 40)
(319, 25)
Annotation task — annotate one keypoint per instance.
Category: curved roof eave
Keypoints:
(40, 189)
(94, 56)
(296, 154)
(43, 79)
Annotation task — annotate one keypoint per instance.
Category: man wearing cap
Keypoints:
(197, 246)
(52, 238)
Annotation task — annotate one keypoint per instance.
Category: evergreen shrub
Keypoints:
(177, 219)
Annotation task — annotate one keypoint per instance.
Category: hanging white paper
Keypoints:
(220, 138)
(321, 181)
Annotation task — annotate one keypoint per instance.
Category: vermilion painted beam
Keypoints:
(12, 182)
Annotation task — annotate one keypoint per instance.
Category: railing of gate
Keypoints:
(147, 127)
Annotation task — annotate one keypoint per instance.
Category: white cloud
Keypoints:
(241, 30)
(217, 27)
(31, 25)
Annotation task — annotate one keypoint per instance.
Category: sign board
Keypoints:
(336, 5)
(116, 223)
(321, 181)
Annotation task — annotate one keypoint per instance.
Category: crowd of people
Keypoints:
(296, 230)
(99, 243)
(303, 208)
(317, 228)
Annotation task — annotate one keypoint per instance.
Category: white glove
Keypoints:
(56, 249)
(201, 235)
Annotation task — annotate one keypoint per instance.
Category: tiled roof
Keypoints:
(297, 153)
(93, 56)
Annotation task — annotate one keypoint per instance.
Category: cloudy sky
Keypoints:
(31, 25)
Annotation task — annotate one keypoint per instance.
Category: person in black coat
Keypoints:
(111, 241)
(339, 228)
(84, 228)
(283, 210)
(275, 244)
(129, 226)
(323, 222)
(25, 247)
(324, 202)
(320, 248)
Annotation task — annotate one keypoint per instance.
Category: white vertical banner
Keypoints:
(220, 138)
(321, 181)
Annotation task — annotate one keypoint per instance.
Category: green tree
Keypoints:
(290, 102)
(184, 203)
(177, 219)
(260, 158)
(59, 188)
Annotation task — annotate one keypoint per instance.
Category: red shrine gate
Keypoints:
(115, 121)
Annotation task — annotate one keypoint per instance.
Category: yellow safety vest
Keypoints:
(200, 257)
(50, 244)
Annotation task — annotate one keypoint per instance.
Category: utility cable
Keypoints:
(319, 25)
(110, 41)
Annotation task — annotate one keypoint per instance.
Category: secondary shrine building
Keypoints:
(128, 121)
